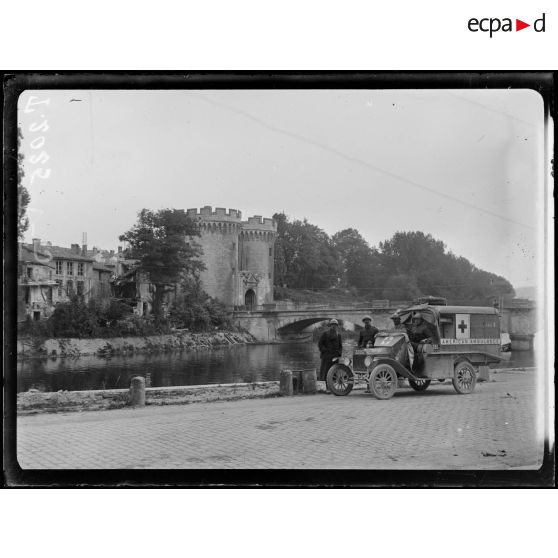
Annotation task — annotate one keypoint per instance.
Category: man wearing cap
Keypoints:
(396, 319)
(368, 334)
(330, 346)
(420, 330)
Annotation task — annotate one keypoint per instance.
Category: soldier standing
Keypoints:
(330, 346)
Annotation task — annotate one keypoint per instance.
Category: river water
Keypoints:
(237, 363)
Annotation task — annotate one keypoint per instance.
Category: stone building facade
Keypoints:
(37, 288)
(238, 256)
(50, 274)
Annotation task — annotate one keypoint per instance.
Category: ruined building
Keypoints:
(50, 274)
(238, 255)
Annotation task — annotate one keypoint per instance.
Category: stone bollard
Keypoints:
(297, 382)
(484, 374)
(308, 381)
(136, 397)
(286, 382)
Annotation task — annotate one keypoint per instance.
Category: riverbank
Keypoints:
(179, 340)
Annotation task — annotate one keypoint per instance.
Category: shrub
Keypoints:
(73, 319)
(38, 329)
(196, 310)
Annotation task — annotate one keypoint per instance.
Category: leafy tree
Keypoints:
(421, 262)
(73, 318)
(304, 255)
(284, 250)
(23, 197)
(401, 287)
(162, 243)
(361, 266)
(108, 311)
(411, 252)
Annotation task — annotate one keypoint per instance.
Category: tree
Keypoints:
(417, 264)
(73, 318)
(23, 197)
(193, 308)
(305, 257)
(360, 264)
(162, 242)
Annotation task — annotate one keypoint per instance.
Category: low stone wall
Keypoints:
(119, 345)
(33, 401)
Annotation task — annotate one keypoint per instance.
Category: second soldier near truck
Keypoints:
(368, 334)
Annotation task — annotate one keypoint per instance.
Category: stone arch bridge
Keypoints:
(277, 322)
(282, 320)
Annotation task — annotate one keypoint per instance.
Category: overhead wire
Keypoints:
(352, 159)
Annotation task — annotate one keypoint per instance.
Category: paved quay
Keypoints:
(495, 427)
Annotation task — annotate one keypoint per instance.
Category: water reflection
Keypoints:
(239, 363)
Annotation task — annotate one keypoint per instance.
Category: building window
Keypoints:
(80, 287)
(49, 295)
(30, 272)
(270, 252)
(70, 268)
(59, 283)
(69, 287)
(58, 268)
(80, 269)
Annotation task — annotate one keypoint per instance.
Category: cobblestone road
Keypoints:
(493, 428)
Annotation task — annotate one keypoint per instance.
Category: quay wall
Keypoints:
(34, 401)
(30, 348)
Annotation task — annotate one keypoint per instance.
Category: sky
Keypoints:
(466, 166)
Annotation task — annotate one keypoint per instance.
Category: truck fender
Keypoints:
(343, 360)
(396, 365)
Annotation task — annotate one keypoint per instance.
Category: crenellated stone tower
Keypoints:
(238, 255)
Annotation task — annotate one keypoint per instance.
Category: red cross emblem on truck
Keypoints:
(462, 326)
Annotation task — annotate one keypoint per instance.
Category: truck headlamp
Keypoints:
(368, 361)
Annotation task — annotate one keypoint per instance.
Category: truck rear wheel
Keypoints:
(464, 378)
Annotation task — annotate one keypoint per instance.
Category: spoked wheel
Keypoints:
(383, 381)
(339, 380)
(419, 385)
(464, 378)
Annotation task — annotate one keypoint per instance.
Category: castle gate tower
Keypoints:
(238, 255)
(219, 232)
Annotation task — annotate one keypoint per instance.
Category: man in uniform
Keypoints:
(330, 346)
(420, 330)
(396, 319)
(368, 334)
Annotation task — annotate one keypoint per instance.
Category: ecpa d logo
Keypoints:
(494, 24)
